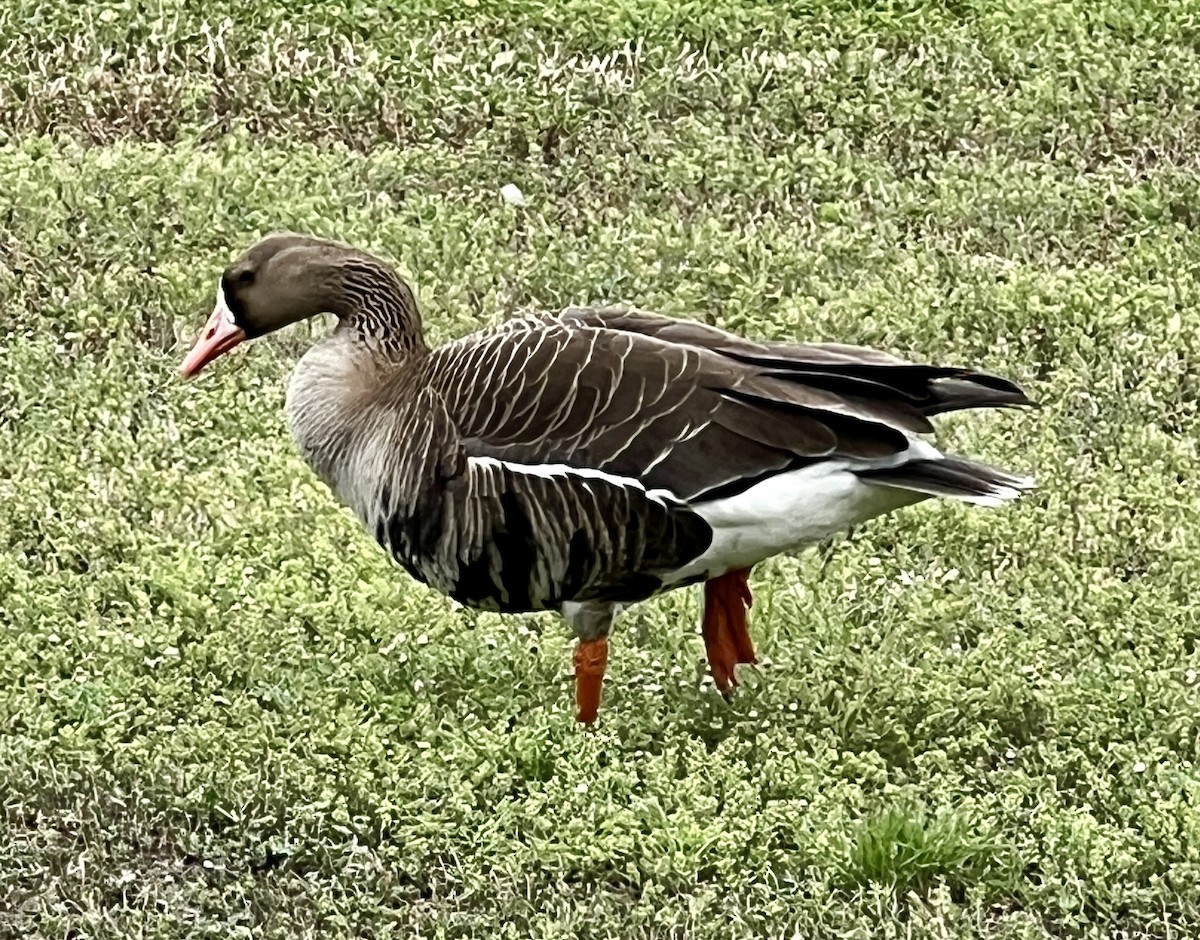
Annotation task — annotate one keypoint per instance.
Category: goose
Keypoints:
(586, 460)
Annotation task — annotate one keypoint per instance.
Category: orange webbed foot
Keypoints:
(591, 660)
(726, 628)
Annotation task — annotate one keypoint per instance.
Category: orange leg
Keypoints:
(591, 659)
(726, 634)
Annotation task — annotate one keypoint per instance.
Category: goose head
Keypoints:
(288, 277)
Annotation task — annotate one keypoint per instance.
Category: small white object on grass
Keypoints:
(512, 195)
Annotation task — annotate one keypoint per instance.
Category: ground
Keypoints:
(226, 713)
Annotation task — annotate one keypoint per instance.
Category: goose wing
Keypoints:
(687, 408)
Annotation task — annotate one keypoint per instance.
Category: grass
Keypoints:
(226, 714)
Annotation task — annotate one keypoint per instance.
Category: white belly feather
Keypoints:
(795, 510)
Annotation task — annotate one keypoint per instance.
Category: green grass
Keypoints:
(224, 713)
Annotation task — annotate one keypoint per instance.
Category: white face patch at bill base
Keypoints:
(220, 335)
(221, 307)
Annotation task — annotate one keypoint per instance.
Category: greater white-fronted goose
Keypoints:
(586, 460)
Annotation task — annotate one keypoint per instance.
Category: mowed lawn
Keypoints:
(224, 712)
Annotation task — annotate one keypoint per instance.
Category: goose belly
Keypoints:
(789, 512)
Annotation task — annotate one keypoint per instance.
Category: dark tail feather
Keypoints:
(953, 477)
